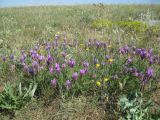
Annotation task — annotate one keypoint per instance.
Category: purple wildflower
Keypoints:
(22, 59)
(48, 47)
(30, 70)
(83, 71)
(149, 72)
(71, 63)
(32, 52)
(68, 84)
(85, 64)
(35, 67)
(26, 68)
(126, 48)
(35, 56)
(54, 83)
(11, 57)
(4, 58)
(151, 60)
(58, 69)
(63, 54)
(130, 60)
(141, 76)
(107, 57)
(51, 70)
(136, 74)
(35, 64)
(41, 58)
(150, 52)
(63, 66)
(122, 50)
(57, 65)
(75, 76)
(97, 44)
(49, 59)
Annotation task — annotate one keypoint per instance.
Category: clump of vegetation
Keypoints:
(128, 26)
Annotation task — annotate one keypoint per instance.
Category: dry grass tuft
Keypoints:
(71, 109)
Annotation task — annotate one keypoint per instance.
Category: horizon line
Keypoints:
(76, 4)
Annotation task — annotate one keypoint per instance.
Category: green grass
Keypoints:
(21, 27)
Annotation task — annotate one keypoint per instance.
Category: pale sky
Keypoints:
(11, 3)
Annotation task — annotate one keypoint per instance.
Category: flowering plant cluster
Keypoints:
(71, 69)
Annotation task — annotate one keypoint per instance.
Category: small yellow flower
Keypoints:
(97, 65)
(109, 46)
(106, 79)
(129, 18)
(110, 60)
(58, 33)
(87, 49)
(98, 83)
(82, 45)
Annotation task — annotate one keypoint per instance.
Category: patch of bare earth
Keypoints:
(156, 100)
(73, 109)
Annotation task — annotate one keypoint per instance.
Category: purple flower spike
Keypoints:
(4, 58)
(54, 83)
(58, 69)
(126, 48)
(48, 47)
(41, 58)
(149, 72)
(68, 84)
(97, 44)
(11, 57)
(71, 63)
(83, 71)
(33, 52)
(49, 59)
(35, 56)
(57, 65)
(63, 54)
(136, 74)
(130, 60)
(141, 76)
(151, 61)
(121, 50)
(150, 52)
(85, 64)
(30, 70)
(143, 53)
(107, 57)
(35, 67)
(51, 70)
(22, 59)
(26, 68)
(35, 64)
(63, 66)
(130, 69)
(75, 76)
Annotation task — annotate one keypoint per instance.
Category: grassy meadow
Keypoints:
(80, 62)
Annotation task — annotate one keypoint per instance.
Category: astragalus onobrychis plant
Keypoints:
(94, 67)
